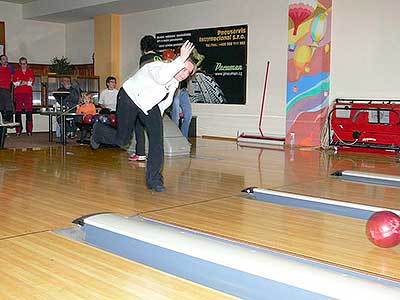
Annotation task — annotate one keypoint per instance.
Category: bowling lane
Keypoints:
(335, 239)
(348, 191)
(47, 266)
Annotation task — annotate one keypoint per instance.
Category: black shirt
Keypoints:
(149, 57)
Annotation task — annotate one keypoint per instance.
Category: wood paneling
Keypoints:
(43, 69)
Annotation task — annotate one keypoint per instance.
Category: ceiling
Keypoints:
(17, 1)
(62, 11)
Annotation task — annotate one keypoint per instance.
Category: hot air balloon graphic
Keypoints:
(301, 58)
(300, 10)
(318, 30)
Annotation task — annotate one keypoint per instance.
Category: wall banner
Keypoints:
(222, 69)
(308, 70)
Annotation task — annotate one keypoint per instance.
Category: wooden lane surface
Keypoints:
(41, 190)
(46, 266)
(330, 187)
(47, 188)
(320, 236)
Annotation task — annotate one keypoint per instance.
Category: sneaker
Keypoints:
(135, 157)
(18, 134)
(158, 188)
(93, 144)
(29, 133)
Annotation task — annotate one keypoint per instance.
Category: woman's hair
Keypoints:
(86, 95)
(148, 43)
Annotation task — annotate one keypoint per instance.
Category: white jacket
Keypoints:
(151, 83)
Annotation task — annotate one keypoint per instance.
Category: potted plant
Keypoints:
(60, 65)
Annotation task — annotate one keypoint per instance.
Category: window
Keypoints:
(53, 83)
(90, 85)
(37, 91)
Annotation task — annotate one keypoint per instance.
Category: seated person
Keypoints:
(69, 102)
(181, 107)
(108, 97)
(84, 109)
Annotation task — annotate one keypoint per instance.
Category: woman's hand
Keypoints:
(186, 50)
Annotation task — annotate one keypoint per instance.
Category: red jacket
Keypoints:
(5, 77)
(29, 75)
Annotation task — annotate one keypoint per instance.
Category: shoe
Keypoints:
(135, 157)
(93, 144)
(158, 188)
(29, 133)
(18, 134)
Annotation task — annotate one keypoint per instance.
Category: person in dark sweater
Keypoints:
(6, 104)
(149, 47)
(69, 103)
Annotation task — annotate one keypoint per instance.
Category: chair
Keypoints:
(3, 129)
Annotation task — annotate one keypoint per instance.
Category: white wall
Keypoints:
(267, 25)
(79, 43)
(38, 41)
(365, 49)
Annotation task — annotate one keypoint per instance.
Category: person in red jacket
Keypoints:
(24, 78)
(6, 106)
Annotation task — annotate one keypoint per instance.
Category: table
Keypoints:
(63, 116)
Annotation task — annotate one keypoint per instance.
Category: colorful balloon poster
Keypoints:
(308, 76)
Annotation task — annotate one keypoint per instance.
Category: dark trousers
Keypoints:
(6, 106)
(70, 126)
(128, 115)
(3, 131)
(7, 116)
(29, 121)
(124, 132)
(84, 128)
(140, 138)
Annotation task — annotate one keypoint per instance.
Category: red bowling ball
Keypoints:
(113, 119)
(168, 55)
(383, 229)
(87, 119)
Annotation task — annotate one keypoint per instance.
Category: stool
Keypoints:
(3, 130)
